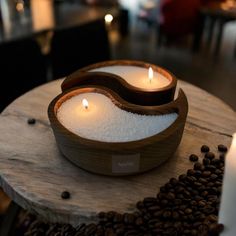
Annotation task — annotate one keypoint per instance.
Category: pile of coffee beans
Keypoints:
(187, 205)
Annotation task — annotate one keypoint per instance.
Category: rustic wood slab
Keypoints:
(33, 172)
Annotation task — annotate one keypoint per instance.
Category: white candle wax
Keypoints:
(103, 121)
(227, 214)
(136, 76)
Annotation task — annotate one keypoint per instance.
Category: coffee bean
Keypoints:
(90, 229)
(206, 173)
(201, 203)
(110, 215)
(139, 221)
(197, 173)
(31, 121)
(161, 195)
(164, 202)
(210, 167)
(174, 181)
(210, 155)
(157, 213)
(140, 205)
(205, 148)
(154, 208)
(206, 161)
(190, 172)
(216, 229)
(129, 218)
(162, 189)
(213, 176)
(65, 195)
(188, 211)
(222, 157)
(109, 232)
(182, 177)
(203, 229)
(166, 214)
(215, 162)
(170, 196)
(193, 157)
(151, 200)
(197, 184)
(118, 218)
(198, 166)
(222, 148)
(175, 215)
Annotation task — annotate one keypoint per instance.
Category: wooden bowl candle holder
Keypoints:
(129, 79)
(107, 153)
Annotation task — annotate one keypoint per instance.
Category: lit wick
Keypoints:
(85, 104)
(150, 74)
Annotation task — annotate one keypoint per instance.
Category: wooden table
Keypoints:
(34, 173)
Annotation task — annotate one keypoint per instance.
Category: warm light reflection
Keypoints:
(85, 104)
(228, 5)
(150, 74)
(42, 14)
(108, 18)
(20, 6)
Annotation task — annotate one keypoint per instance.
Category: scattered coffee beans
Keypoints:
(210, 155)
(205, 148)
(65, 195)
(187, 205)
(222, 148)
(31, 121)
(193, 157)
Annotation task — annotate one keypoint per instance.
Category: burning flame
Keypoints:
(85, 103)
(150, 74)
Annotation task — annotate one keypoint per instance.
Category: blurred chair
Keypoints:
(177, 19)
(76, 47)
(22, 68)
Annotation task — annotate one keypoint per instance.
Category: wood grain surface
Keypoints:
(34, 173)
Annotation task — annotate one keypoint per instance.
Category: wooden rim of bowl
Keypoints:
(179, 106)
(161, 70)
(117, 83)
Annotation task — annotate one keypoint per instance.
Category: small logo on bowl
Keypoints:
(125, 163)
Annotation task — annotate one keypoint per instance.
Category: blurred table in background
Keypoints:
(47, 41)
(218, 14)
(42, 17)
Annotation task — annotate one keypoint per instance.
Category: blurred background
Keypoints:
(43, 40)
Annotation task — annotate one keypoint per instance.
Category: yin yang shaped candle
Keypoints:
(102, 133)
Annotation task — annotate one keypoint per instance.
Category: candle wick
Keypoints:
(150, 74)
(85, 104)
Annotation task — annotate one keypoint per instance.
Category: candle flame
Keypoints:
(150, 74)
(85, 103)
